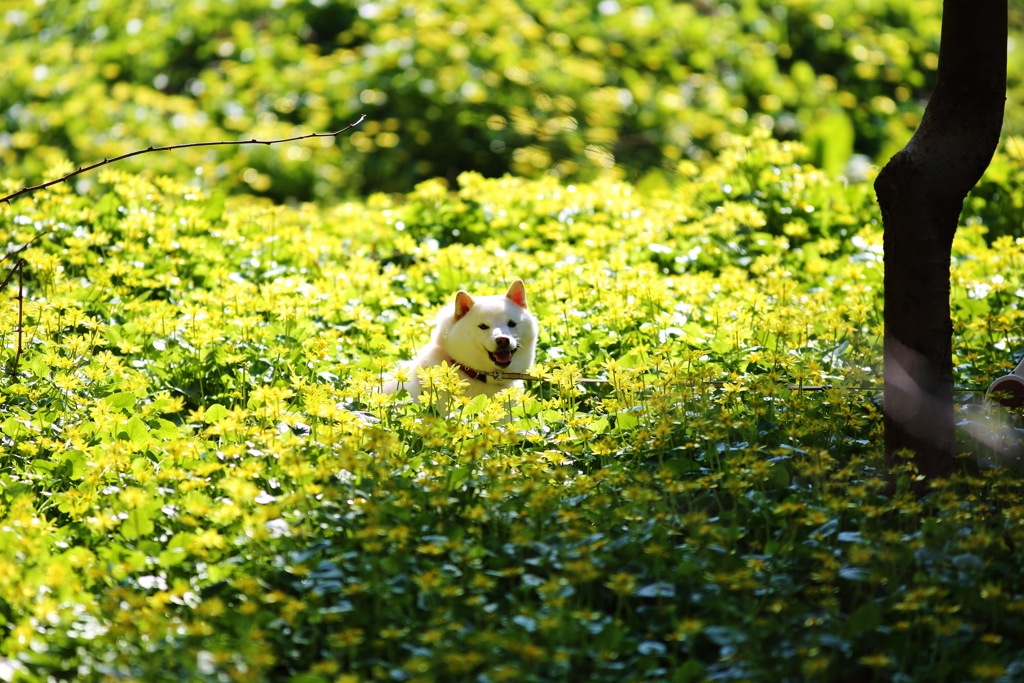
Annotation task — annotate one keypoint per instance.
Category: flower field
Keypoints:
(199, 482)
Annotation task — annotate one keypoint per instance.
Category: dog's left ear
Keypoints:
(517, 292)
(463, 302)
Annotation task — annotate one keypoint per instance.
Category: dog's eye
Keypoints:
(511, 323)
(483, 326)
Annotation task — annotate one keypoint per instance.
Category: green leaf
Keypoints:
(552, 416)
(307, 677)
(136, 429)
(687, 567)
(215, 413)
(459, 476)
(44, 465)
(106, 209)
(475, 406)
(78, 462)
(720, 346)
(964, 305)
(528, 408)
(625, 421)
(39, 367)
(778, 476)
(214, 209)
(865, 618)
(172, 557)
(179, 544)
(13, 428)
(691, 670)
(680, 466)
(86, 294)
(632, 360)
(124, 400)
(832, 139)
(138, 524)
(165, 430)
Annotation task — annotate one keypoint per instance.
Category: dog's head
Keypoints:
(489, 333)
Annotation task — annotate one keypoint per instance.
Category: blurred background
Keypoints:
(637, 89)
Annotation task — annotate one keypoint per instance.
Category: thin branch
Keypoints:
(22, 247)
(29, 190)
(19, 266)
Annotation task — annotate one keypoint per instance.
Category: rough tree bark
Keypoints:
(921, 192)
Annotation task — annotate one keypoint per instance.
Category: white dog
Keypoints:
(483, 336)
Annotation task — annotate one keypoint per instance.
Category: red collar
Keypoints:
(473, 374)
(470, 372)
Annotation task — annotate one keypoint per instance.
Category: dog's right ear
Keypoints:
(517, 292)
(463, 302)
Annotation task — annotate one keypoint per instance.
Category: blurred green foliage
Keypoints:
(575, 89)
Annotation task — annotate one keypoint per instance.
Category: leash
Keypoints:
(826, 387)
(502, 376)
(530, 378)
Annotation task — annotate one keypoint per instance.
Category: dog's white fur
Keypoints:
(483, 334)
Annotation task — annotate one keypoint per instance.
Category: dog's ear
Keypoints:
(463, 302)
(517, 292)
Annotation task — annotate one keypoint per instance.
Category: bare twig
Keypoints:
(83, 169)
(19, 264)
(20, 267)
(20, 248)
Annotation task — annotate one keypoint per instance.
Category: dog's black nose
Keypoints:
(503, 342)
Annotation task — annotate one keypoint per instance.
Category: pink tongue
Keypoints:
(503, 356)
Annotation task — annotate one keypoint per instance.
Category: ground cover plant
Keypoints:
(627, 87)
(198, 481)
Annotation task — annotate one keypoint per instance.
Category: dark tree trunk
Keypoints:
(921, 192)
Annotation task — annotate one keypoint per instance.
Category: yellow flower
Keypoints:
(686, 628)
(348, 638)
(876, 661)
(622, 584)
(988, 671)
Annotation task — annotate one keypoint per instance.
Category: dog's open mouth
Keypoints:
(502, 357)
